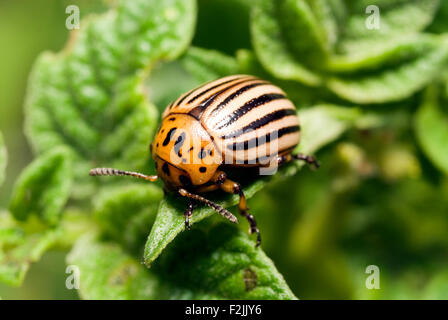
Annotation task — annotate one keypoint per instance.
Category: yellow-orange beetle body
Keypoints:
(236, 121)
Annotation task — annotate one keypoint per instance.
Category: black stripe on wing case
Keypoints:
(236, 94)
(185, 96)
(258, 141)
(200, 94)
(248, 106)
(197, 111)
(259, 123)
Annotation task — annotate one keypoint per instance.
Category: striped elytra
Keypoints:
(240, 120)
(236, 121)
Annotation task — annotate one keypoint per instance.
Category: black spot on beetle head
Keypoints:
(202, 169)
(166, 169)
(185, 181)
(169, 136)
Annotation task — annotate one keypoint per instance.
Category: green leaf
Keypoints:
(90, 96)
(396, 17)
(271, 46)
(336, 120)
(107, 272)
(298, 18)
(20, 247)
(437, 286)
(371, 54)
(3, 159)
(221, 263)
(170, 220)
(126, 214)
(207, 65)
(387, 76)
(44, 187)
(431, 127)
(439, 24)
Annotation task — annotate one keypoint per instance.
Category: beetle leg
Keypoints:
(189, 213)
(222, 211)
(230, 186)
(308, 159)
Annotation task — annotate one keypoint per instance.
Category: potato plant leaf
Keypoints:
(438, 24)
(3, 159)
(126, 214)
(170, 220)
(207, 65)
(336, 120)
(372, 54)
(395, 16)
(106, 272)
(221, 263)
(43, 188)
(299, 19)
(19, 248)
(90, 97)
(271, 46)
(387, 76)
(431, 127)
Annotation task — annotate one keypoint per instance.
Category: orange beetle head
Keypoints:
(184, 153)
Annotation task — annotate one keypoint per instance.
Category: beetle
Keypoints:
(239, 121)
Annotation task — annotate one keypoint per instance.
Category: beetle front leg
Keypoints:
(189, 213)
(230, 186)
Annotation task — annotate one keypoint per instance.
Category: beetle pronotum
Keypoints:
(234, 122)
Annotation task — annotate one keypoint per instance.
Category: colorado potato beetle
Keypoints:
(238, 121)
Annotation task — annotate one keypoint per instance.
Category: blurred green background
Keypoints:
(26, 29)
(377, 200)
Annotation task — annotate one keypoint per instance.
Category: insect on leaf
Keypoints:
(170, 220)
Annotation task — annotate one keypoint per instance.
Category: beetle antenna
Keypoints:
(115, 172)
(224, 212)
